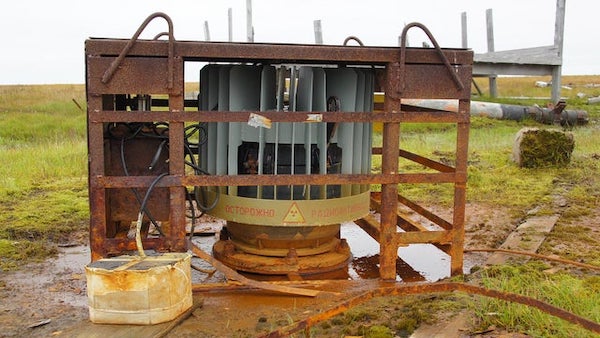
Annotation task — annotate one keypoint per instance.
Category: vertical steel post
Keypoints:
(97, 192)
(177, 222)
(389, 165)
(460, 185)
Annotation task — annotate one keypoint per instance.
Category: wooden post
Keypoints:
(463, 26)
(490, 48)
(465, 44)
(249, 27)
(559, 29)
(318, 32)
(230, 22)
(206, 31)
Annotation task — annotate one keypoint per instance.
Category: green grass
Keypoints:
(43, 179)
(391, 316)
(579, 295)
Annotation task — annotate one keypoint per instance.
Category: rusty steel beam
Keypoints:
(371, 226)
(418, 159)
(283, 179)
(308, 117)
(133, 76)
(411, 289)
(276, 53)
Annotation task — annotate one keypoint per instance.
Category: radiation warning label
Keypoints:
(294, 215)
(291, 212)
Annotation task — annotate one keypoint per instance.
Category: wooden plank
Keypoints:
(544, 55)
(486, 69)
(527, 237)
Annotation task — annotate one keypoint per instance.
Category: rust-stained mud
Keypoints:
(56, 289)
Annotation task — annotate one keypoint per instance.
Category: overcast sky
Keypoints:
(43, 41)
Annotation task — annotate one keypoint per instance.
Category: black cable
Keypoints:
(150, 188)
(200, 190)
(159, 130)
(135, 192)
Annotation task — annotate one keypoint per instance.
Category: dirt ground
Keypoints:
(46, 299)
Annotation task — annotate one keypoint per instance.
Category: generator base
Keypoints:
(226, 252)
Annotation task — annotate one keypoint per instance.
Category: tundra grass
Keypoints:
(579, 295)
(43, 176)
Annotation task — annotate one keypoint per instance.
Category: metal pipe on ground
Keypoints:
(557, 115)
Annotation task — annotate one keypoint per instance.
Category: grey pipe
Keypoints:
(508, 111)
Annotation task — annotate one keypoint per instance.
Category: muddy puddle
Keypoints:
(416, 263)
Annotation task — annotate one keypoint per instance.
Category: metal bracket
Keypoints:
(443, 57)
(108, 74)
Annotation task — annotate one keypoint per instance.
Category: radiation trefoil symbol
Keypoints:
(294, 215)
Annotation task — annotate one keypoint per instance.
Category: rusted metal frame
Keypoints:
(108, 74)
(407, 224)
(430, 237)
(177, 220)
(370, 225)
(287, 179)
(97, 193)
(232, 116)
(426, 161)
(120, 245)
(415, 117)
(435, 165)
(413, 232)
(404, 222)
(317, 179)
(388, 251)
(425, 213)
(443, 57)
(98, 212)
(276, 53)
(460, 186)
(135, 75)
(411, 289)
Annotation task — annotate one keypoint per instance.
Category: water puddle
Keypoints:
(416, 262)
